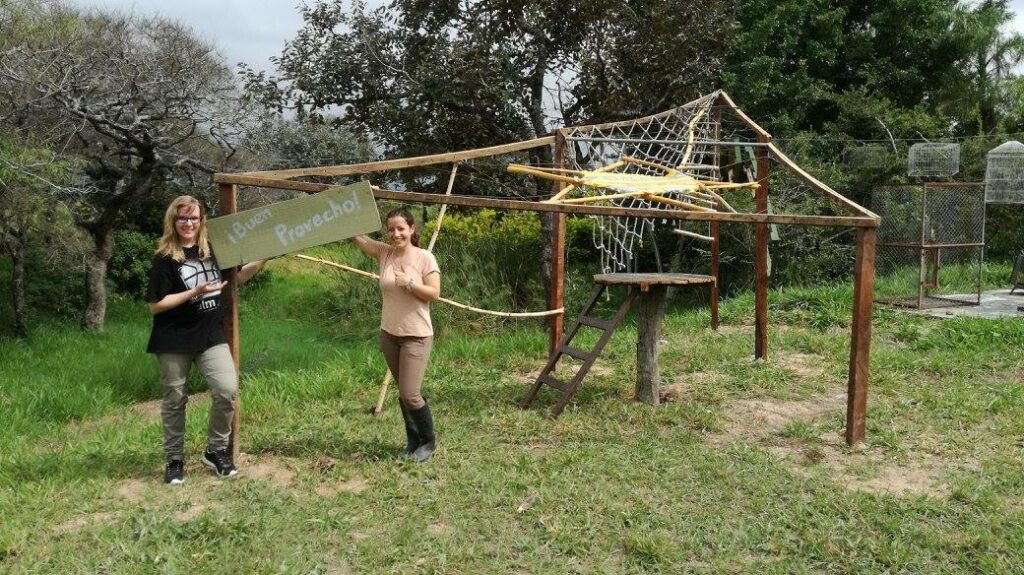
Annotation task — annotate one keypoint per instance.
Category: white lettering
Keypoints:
(287, 235)
(240, 229)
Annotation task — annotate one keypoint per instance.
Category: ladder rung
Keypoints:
(554, 382)
(595, 322)
(577, 353)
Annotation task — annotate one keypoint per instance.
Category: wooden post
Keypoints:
(860, 339)
(649, 316)
(761, 257)
(557, 256)
(715, 243)
(229, 299)
(715, 232)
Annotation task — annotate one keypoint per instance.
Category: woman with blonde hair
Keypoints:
(188, 328)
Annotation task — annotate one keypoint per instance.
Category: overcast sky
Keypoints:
(252, 31)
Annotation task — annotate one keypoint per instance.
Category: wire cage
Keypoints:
(1004, 174)
(933, 160)
(867, 157)
(930, 244)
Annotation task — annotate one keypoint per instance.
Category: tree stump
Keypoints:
(650, 314)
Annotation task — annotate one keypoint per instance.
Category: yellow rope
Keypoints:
(445, 300)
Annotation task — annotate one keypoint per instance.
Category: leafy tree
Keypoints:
(27, 216)
(140, 100)
(985, 93)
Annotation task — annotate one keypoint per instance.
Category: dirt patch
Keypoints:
(191, 512)
(760, 418)
(273, 470)
(803, 365)
(871, 471)
(438, 529)
(84, 521)
(352, 485)
(682, 385)
(132, 490)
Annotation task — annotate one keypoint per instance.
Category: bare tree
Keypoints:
(139, 100)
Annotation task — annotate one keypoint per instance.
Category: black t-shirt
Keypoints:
(195, 325)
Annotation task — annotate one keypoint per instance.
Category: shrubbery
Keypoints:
(128, 269)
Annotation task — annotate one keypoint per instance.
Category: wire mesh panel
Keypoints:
(930, 244)
(933, 160)
(1004, 174)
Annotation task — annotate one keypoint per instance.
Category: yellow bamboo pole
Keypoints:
(676, 203)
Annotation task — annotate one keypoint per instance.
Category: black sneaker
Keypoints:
(219, 462)
(174, 472)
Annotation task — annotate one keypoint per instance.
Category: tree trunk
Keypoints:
(18, 287)
(96, 279)
(649, 316)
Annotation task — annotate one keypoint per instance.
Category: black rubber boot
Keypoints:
(424, 424)
(412, 438)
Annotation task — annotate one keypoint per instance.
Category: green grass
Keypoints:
(696, 485)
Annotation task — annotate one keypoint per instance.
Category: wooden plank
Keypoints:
(400, 163)
(578, 353)
(595, 322)
(554, 382)
(229, 299)
(860, 338)
(293, 225)
(652, 279)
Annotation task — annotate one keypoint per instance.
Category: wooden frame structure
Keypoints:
(857, 217)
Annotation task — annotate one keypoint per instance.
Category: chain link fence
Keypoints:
(930, 244)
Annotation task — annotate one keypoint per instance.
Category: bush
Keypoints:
(130, 261)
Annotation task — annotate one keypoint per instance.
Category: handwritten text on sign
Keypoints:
(292, 225)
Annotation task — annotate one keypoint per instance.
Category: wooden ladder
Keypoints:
(588, 358)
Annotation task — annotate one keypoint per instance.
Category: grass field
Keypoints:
(742, 470)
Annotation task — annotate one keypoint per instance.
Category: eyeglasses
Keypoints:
(190, 219)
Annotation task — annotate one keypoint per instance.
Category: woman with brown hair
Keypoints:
(188, 328)
(409, 280)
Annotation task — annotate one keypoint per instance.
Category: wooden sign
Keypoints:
(289, 226)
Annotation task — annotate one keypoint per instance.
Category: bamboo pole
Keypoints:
(676, 203)
(690, 234)
(400, 163)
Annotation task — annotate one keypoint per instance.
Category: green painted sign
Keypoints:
(293, 225)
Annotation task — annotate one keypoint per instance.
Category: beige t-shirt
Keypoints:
(402, 313)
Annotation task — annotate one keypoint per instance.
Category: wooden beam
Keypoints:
(400, 163)
(860, 338)
(531, 206)
(229, 299)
